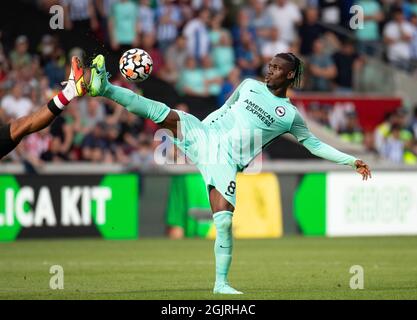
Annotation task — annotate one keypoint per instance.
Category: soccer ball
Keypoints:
(135, 65)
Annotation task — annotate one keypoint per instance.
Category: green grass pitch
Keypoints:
(287, 268)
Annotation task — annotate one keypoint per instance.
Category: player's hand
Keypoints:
(363, 169)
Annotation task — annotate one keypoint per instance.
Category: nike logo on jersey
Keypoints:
(224, 247)
(253, 91)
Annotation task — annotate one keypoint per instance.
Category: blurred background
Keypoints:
(358, 95)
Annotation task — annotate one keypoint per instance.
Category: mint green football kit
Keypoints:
(238, 131)
(224, 143)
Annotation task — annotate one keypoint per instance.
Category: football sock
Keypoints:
(58, 103)
(223, 245)
(141, 106)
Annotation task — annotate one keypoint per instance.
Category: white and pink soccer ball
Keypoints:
(136, 65)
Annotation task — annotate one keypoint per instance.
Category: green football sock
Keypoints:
(223, 245)
(141, 106)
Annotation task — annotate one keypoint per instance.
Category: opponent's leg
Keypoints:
(40, 119)
(158, 112)
(223, 246)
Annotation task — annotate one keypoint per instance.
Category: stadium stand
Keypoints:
(213, 45)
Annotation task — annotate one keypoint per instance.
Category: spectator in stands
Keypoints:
(114, 149)
(309, 30)
(143, 155)
(321, 68)
(46, 48)
(62, 133)
(215, 6)
(216, 29)
(146, 17)
(80, 15)
(44, 91)
(197, 35)
(176, 56)
(212, 78)
(130, 128)
(398, 119)
(320, 113)
(20, 57)
(272, 47)
(247, 55)
(177, 53)
(223, 55)
(413, 61)
(369, 36)
(397, 146)
(413, 123)
(35, 66)
(229, 85)
(413, 6)
(397, 36)
(94, 147)
(4, 65)
(73, 118)
(411, 155)
(103, 13)
(124, 26)
(36, 146)
(286, 17)
(352, 132)
(15, 105)
(261, 21)
(347, 62)
(403, 5)
(331, 11)
(55, 67)
(92, 113)
(382, 131)
(169, 20)
(191, 80)
(187, 11)
(243, 25)
(393, 147)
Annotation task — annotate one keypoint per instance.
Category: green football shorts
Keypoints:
(204, 148)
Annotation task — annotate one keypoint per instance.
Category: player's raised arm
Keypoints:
(323, 150)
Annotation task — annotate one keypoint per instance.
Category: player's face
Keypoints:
(279, 74)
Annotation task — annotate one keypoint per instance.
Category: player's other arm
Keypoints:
(323, 150)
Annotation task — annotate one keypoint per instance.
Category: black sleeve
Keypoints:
(6, 142)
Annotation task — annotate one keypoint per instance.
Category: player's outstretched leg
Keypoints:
(141, 106)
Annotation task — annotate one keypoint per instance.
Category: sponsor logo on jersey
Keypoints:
(280, 111)
(264, 116)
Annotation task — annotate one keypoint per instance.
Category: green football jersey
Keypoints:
(253, 117)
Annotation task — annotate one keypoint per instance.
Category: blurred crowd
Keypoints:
(202, 49)
(394, 139)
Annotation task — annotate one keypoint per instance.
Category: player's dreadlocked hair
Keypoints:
(297, 67)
